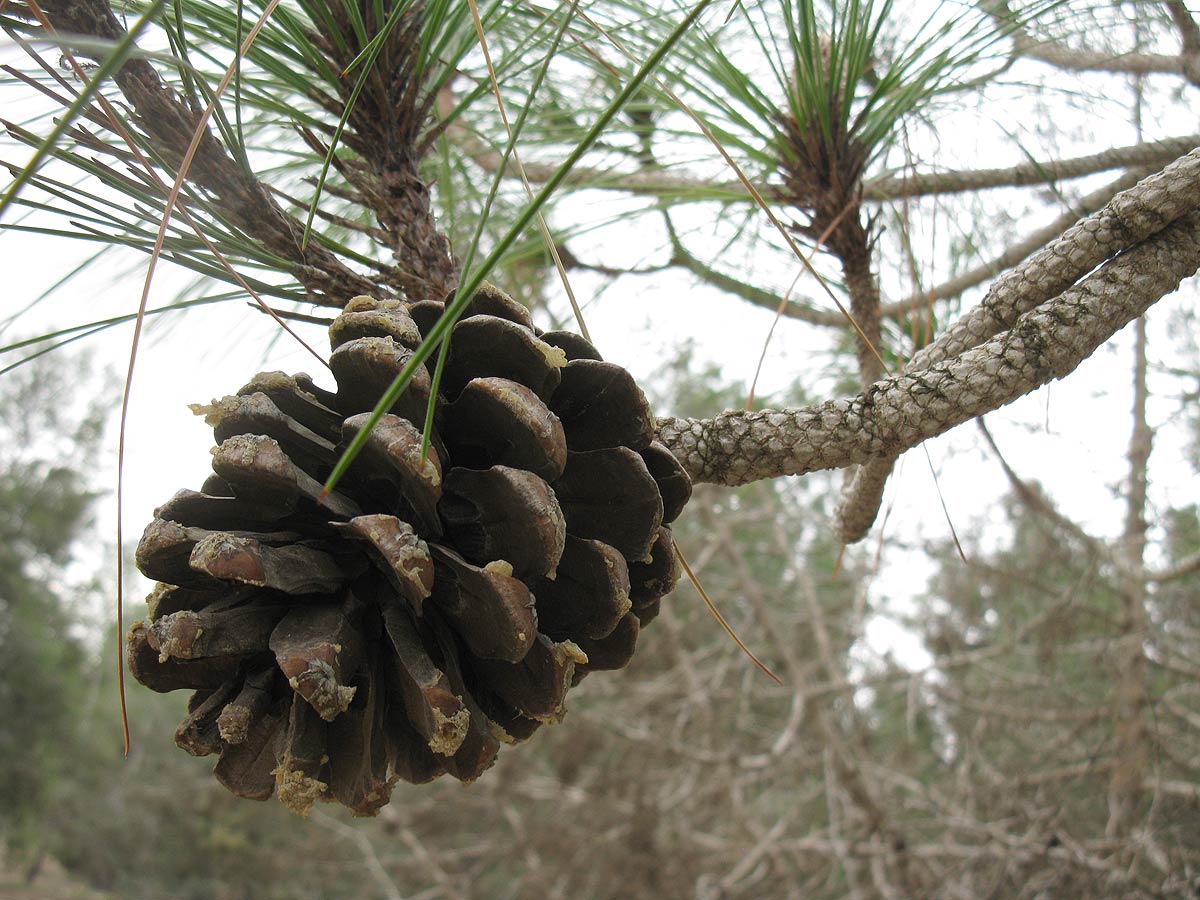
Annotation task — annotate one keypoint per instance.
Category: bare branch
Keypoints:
(893, 415)
(808, 311)
(1086, 59)
(1127, 218)
(1187, 566)
(1130, 698)
(1036, 501)
(1145, 155)
(661, 183)
(805, 312)
(1063, 57)
(1189, 31)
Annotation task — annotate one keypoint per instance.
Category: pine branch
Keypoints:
(863, 493)
(1036, 501)
(805, 312)
(954, 287)
(893, 415)
(881, 188)
(1131, 216)
(924, 184)
(170, 123)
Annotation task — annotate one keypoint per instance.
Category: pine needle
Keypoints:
(541, 221)
(712, 608)
(751, 189)
(172, 198)
(471, 282)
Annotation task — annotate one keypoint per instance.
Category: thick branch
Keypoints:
(1012, 255)
(1189, 31)
(1130, 216)
(853, 520)
(171, 124)
(893, 415)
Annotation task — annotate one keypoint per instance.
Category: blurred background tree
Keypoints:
(45, 500)
(1032, 729)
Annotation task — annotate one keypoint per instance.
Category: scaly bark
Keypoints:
(893, 415)
(861, 498)
(170, 123)
(386, 129)
(1131, 216)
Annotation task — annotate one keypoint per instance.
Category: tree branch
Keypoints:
(807, 311)
(1129, 694)
(1061, 56)
(1130, 216)
(659, 183)
(1086, 60)
(170, 124)
(1189, 31)
(1189, 565)
(893, 415)
(955, 286)
(1037, 502)
(1152, 154)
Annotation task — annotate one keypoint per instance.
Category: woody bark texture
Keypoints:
(171, 124)
(386, 129)
(1131, 216)
(897, 413)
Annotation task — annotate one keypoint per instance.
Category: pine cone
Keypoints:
(431, 607)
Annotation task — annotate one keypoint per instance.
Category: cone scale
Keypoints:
(433, 606)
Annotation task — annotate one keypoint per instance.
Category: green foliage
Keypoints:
(45, 499)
